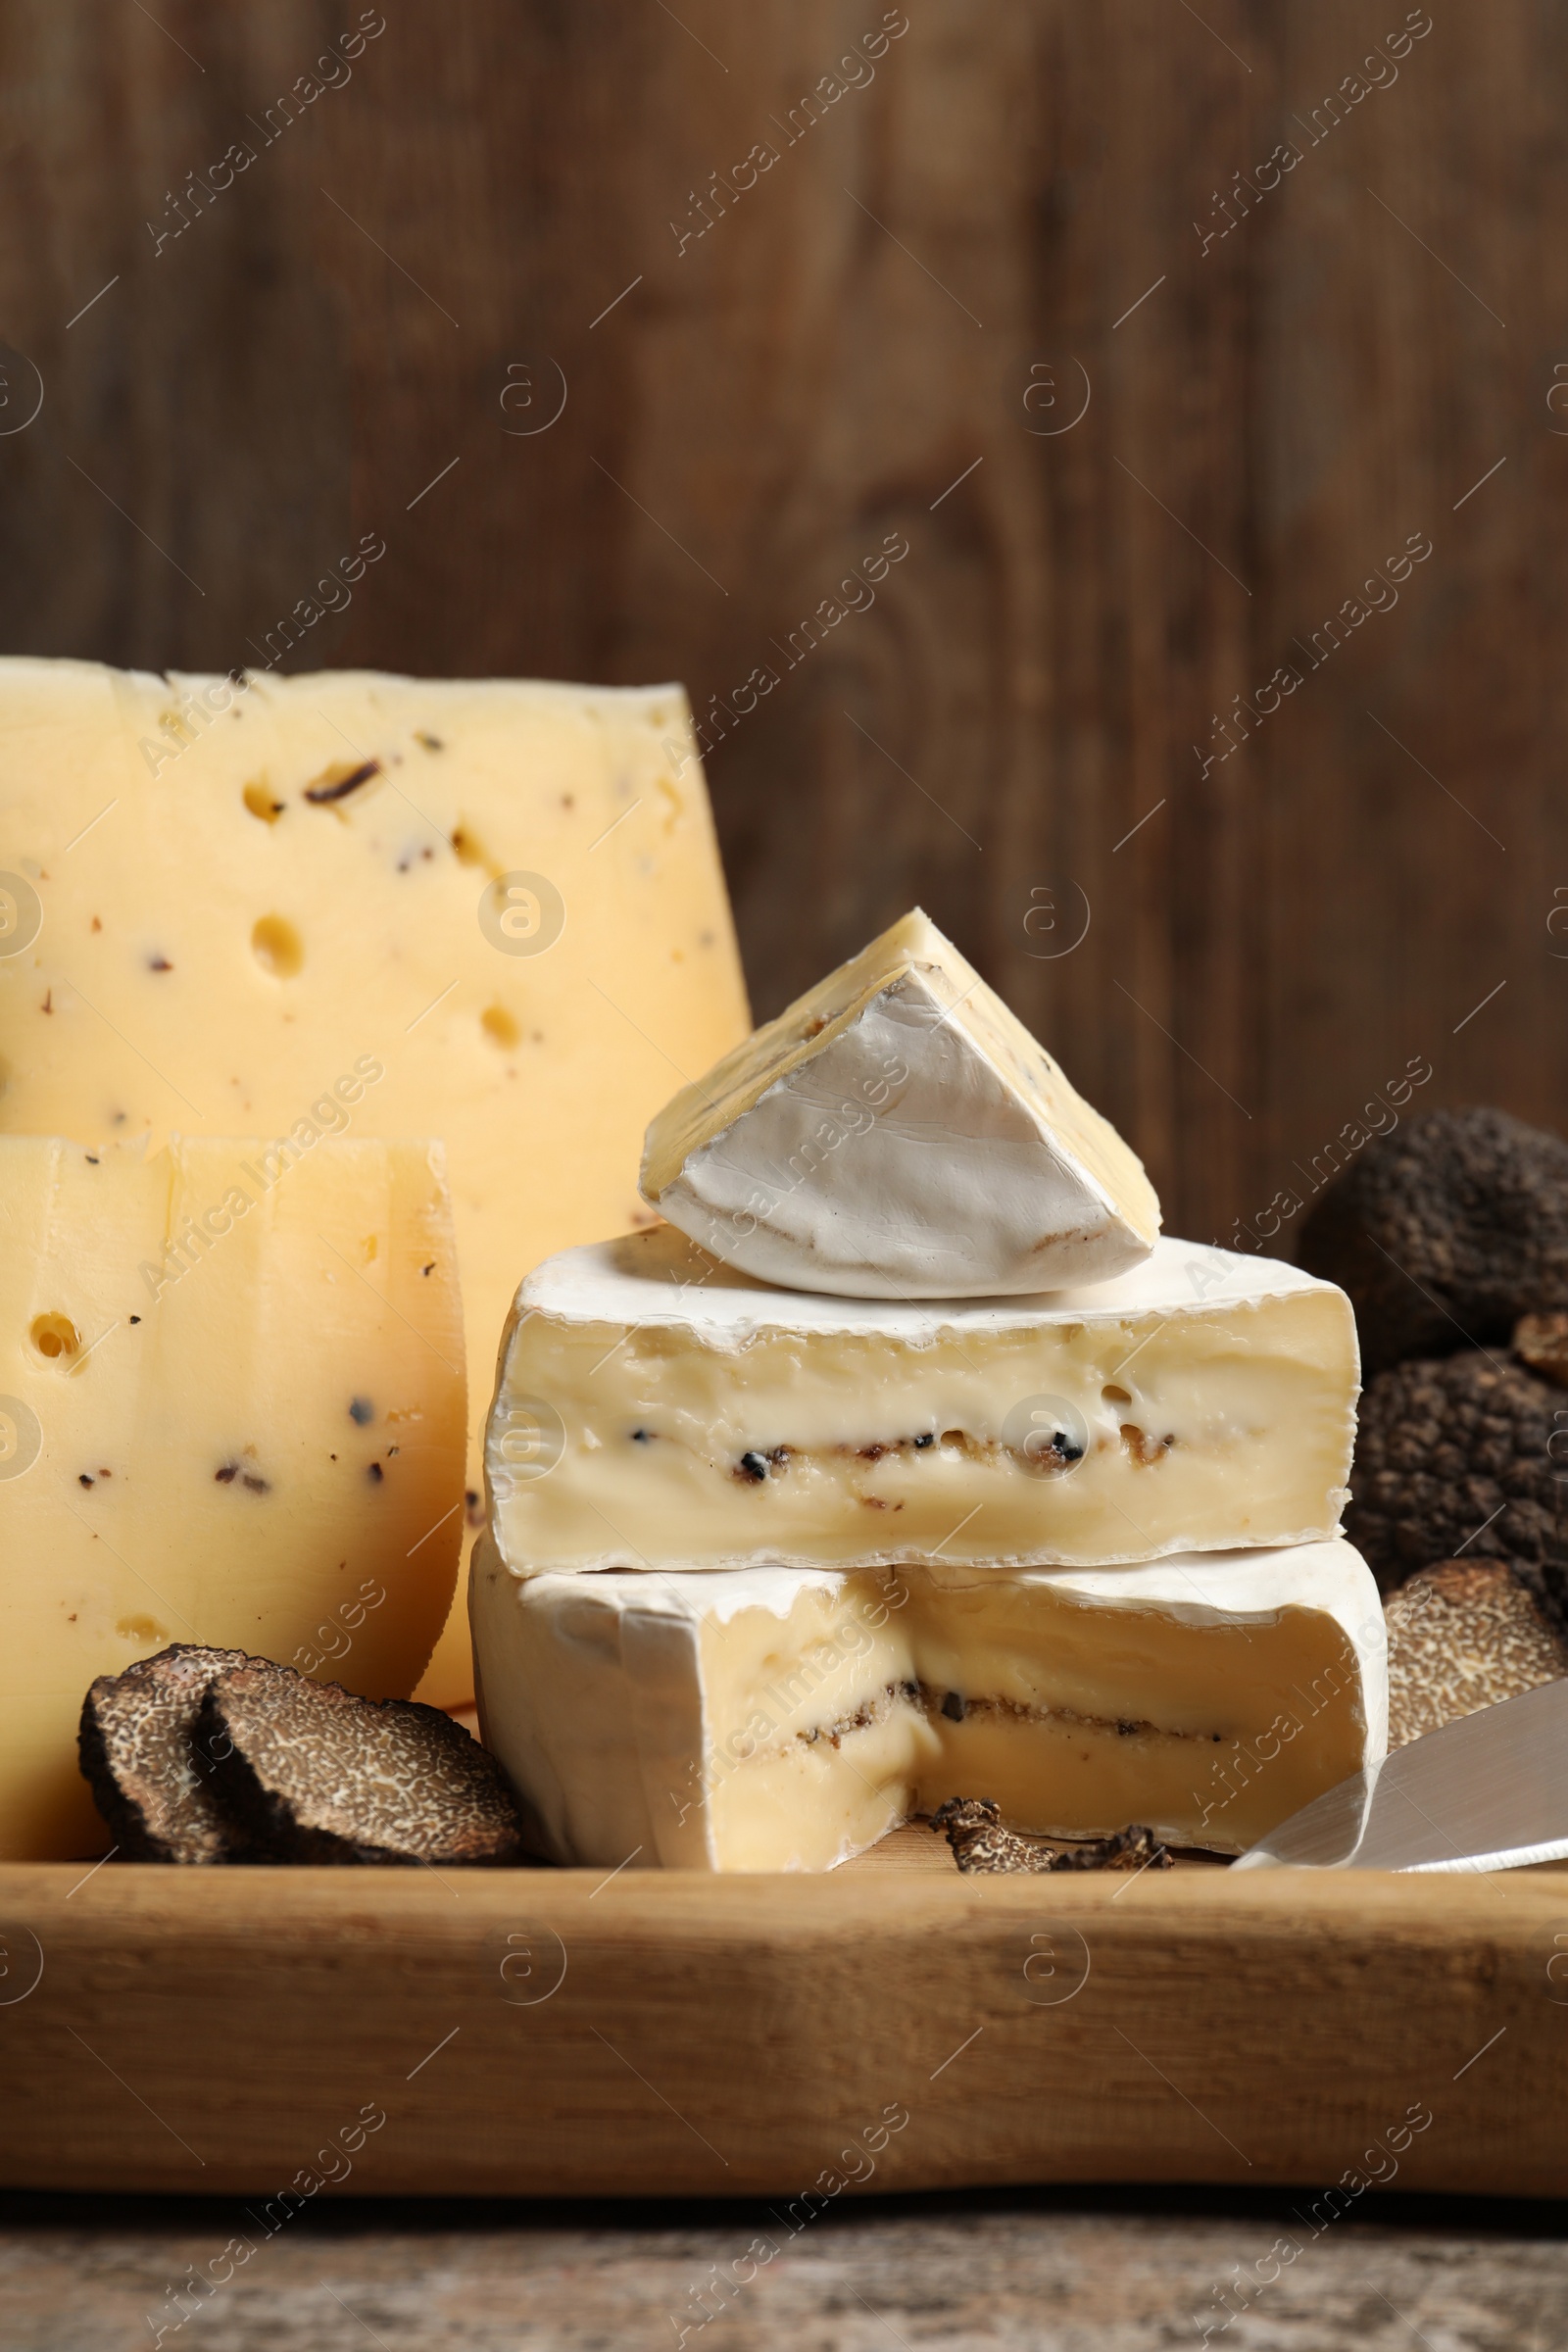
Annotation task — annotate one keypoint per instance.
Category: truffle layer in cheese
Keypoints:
(231, 1412)
(899, 1134)
(506, 894)
(780, 1720)
(657, 1408)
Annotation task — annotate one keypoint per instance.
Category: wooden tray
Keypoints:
(891, 2026)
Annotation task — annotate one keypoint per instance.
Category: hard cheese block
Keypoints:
(773, 1719)
(231, 1411)
(657, 1409)
(899, 1134)
(508, 896)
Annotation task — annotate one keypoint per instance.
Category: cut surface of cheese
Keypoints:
(775, 1719)
(231, 1412)
(655, 1407)
(222, 895)
(898, 1134)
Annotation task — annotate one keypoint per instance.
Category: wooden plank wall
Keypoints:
(886, 332)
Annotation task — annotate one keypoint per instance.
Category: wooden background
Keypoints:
(892, 332)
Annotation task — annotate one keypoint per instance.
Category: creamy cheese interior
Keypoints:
(769, 1720)
(656, 1407)
(898, 1133)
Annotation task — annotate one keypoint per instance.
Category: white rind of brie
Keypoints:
(774, 1719)
(657, 1409)
(898, 1134)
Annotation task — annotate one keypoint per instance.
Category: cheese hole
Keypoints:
(143, 1630)
(499, 1026)
(1114, 1396)
(258, 799)
(465, 848)
(277, 947)
(55, 1337)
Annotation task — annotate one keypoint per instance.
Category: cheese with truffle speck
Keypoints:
(509, 894)
(899, 1134)
(231, 1412)
(656, 1407)
(773, 1719)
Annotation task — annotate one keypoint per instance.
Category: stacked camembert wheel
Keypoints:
(907, 1461)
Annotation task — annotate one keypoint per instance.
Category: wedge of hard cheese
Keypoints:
(657, 1409)
(224, 895)
(780, 1720)
(899, 1134)
(231, 1412)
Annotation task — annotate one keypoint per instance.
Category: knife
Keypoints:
(1487, 1793)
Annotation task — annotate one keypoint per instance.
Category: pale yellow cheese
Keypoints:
(656, 1408)
(192, 941)
(897, 1133)
(778, 1719)
(231, 1411)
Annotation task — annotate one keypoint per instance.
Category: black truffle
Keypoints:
(316, 1775)
(1459, 1457)
(973, 1828)
(1463, 1636)
(1445, 1232)
(140, 1755)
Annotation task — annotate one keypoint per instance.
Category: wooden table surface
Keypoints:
(1065, 2269)
(1093, 2271)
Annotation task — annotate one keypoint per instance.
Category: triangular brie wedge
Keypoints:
(899, 1134)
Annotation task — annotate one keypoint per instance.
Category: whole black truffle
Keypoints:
(1460, 1457)
(1444, 1232)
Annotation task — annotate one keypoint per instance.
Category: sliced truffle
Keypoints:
(1541, 1342)
(973, 1828)
(1463, 1636)
(140, 1754)
(318, 1774)
(1444, 1232)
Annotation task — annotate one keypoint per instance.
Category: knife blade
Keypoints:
(1487, 1792)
